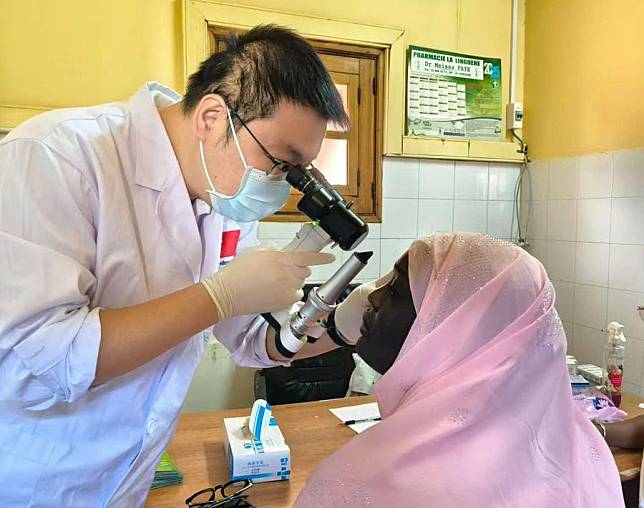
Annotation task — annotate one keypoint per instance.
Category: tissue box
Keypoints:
(261, 461)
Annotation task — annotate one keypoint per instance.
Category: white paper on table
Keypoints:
(358, 412)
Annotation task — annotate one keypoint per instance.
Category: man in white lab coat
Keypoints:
(117, 226)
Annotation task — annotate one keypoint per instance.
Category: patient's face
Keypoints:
(386, 325)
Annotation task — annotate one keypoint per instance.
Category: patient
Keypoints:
(475, 397)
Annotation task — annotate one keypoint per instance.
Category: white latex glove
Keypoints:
(348, 314)
(261, 280)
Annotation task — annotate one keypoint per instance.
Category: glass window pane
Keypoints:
(343, 90)
(332, 161)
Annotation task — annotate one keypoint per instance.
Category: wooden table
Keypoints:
(629, 461)
(312, 432)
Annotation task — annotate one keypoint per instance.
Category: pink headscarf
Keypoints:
(477, 408)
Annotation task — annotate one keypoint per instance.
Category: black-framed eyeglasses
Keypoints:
(278, 164)
(227, 495)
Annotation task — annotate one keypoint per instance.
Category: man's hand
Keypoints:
(256, 281)
(262, 280)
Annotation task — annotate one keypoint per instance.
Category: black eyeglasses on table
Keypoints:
(228, 495)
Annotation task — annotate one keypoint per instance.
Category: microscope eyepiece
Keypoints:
(322, 203)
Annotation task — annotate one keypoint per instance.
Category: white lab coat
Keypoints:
(94, 213)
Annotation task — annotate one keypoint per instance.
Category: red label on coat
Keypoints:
(229, 241)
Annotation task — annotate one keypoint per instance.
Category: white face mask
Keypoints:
(259, 194)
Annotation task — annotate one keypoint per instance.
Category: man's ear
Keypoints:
(206, 119)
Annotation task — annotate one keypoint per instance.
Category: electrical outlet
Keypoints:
(514, 115)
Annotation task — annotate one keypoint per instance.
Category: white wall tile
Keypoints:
(537, 225)
(471, 180)
(588, 345)
(502, 181)
(590, 306)
(591, 264)
(563, 179)
(436, 179)
(627, 267)
(622, 307)
(372, 270)
(633, 360)
(390, 251)
(627, 220)
(593, 220)
(278, 229)
(435, 216)
(537, 248)
(595, 176)
(536, 181)
(400, 178)
(525, 212)
(470, 216)
(560, 260)
(374, 231)
(500, 222)
(609, 277)
(399, 218)
(562, 219)
(628, 166)
(564, 302)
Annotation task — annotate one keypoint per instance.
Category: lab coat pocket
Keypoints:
(23, 458)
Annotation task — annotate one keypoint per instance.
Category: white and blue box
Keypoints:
(265, 460)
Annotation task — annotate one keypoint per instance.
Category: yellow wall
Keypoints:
(78, 52)
(469, 26)
(584, 76)
(73, 52)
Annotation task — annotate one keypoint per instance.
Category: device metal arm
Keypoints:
(321, 301)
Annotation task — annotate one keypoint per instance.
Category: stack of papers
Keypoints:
(591, 373)
(360, 412)
(166, 473)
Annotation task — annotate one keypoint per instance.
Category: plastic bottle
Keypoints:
(613, 371)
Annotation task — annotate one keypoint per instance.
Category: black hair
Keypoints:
(259, 68)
